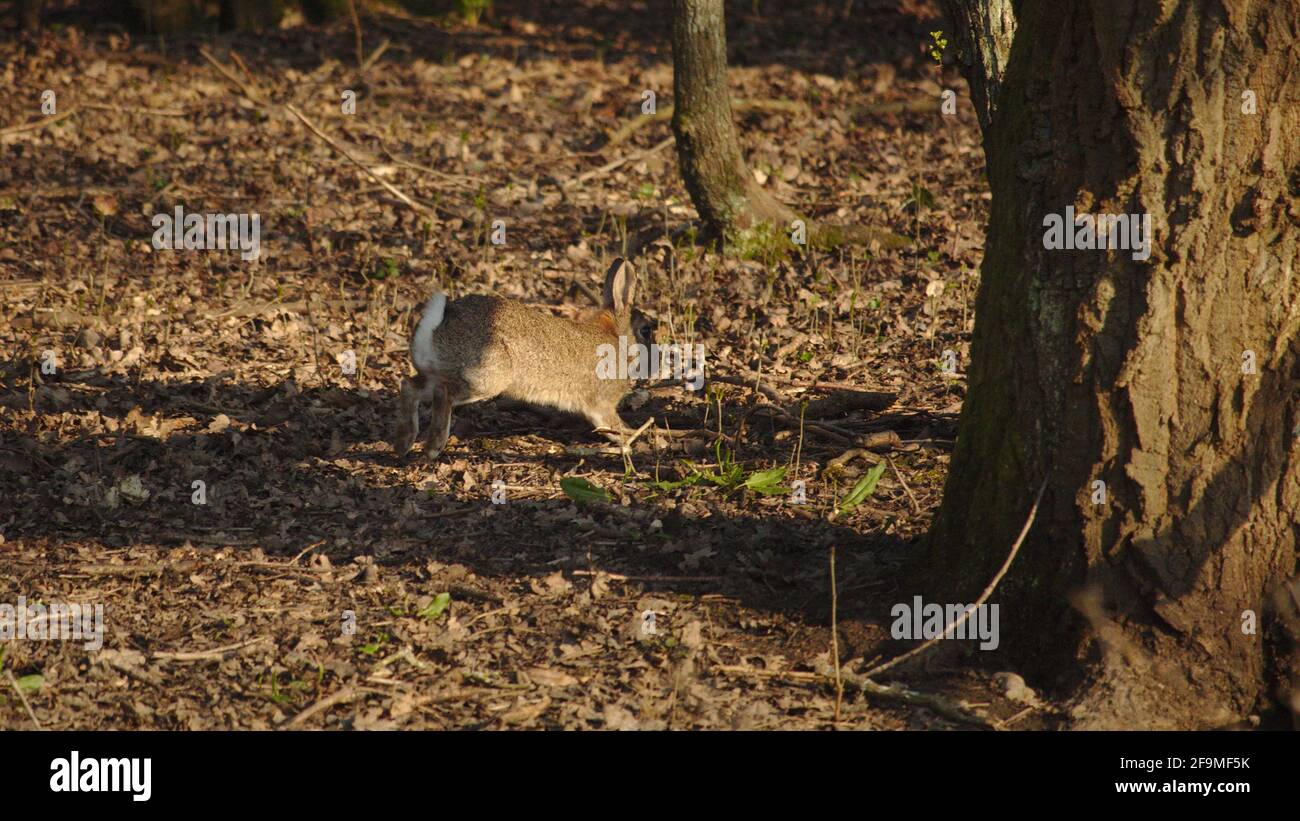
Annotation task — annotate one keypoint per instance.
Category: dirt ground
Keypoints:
(307, 587)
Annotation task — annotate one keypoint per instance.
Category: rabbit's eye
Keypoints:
(643, 328)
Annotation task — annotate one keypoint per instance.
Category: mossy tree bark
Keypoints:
(1172, 380)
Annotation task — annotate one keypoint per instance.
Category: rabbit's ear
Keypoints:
(620, 285)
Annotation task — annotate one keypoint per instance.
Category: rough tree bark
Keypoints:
(730, 201)
(1091, 366)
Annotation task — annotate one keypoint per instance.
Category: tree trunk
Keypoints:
(1091, 366)
(29, 15)
(732, 204)
(729, 200)
(251, 15)
(162, 16)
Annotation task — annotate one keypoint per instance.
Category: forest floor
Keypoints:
(184, 440)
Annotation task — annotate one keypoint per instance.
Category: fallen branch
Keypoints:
(902, 695)
(846, 401)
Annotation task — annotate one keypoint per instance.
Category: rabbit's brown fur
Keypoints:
(480, 347)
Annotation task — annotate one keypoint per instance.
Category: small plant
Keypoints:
(373, 647)
(436, 607)
(580, 490)
(937, 45)
(729, 475)
(767, 482)
(764, 242)
(384, 269)
(471, 11)
(864, 488)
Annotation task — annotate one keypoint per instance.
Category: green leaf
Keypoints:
(767, 482)
(864, 488)
(664, 484)
(436, 607)
(31, 684)
(580, 490)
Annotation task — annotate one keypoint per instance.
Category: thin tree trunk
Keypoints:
(724, 191)
(730, 201)
(1090, 366)
(29, 14)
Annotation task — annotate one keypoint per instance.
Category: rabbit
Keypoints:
(481, 347)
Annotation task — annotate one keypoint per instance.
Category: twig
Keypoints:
(22, 697)
(37, 124)
(356, 27)
(637, 433)
(610, 166)
(251, 94)
(239, 61)
(988, 591)
(1002, 725)
(375, 55)
(203, 655)
(306, 550)
(916, 506)
(155, 112)
(342, 696)
(412, 204)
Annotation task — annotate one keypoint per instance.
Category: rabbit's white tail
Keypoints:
(422, 341)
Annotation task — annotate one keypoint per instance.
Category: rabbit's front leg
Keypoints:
(610, 425)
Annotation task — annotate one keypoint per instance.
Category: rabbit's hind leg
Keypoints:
(408, 414)
(445, 397)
